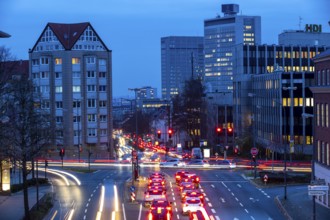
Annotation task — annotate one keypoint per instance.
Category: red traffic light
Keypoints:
(159, 134)
(230, 130)
(170, 132)
(219, 130)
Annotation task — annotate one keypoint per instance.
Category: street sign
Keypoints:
(254, 151)
(132, 188)
(318, 182)
(318, 188)
(316, 193)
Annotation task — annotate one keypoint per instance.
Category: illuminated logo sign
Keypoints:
(313, 28)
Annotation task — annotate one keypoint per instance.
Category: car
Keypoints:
(192, 204)
(178, 175)
(190, 177)
(198, 163)
(150, 195)
(194, 193)
(156, 179)
(156, 185)
(172, 162)
(155, 158)
(225, 164)
(160, 209)
(185, 187)
(199, 215)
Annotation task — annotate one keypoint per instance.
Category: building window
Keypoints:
(102, 74)
(58, 61)
(328, 154)
(91, 132)
(91, 117)
(328, 77)
(58, 89)
(322, 115)
(319, 78)
(35, 62)
(59, 133)
(319, 151)
(91, 103)
(102, 62)
(44, 61)
(44, 89)
(76, 104)
(45, 104)
(90, 60)
(59, 104)
(318, 114)
(75, 60)
(58, 75)
(102, 88)
(91, 74)
(35, 75)
(76, 119)
(59, 119)
(44, 75)
(91, 88)
(102, 104)
(76, 74)
(103, 118)
(75, 88)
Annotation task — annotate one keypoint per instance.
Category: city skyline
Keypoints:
(133, 30)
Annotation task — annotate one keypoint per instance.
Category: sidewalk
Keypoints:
(299, 206)
(12, 207)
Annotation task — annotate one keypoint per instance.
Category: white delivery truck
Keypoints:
(196, 153)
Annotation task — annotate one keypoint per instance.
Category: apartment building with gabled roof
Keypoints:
(71, 67)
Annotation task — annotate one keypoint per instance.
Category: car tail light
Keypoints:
(201, 197)
(147, 195)
(197, 179)
(163, 182)
(168, 208)
(153, 208)
(201, 204)
(181, 187)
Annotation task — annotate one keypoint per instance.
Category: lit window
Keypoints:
(58, 61)
(75, 88)
(75, 60)
(58, 89)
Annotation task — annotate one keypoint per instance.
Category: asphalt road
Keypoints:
(101, 195)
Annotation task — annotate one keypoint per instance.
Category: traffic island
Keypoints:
(134, 191)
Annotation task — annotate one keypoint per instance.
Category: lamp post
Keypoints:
(306, 115)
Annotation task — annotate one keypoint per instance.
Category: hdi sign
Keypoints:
(313, 28)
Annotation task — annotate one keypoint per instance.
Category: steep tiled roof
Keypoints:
(68, 34)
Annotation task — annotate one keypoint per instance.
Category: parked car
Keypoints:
(226, 164)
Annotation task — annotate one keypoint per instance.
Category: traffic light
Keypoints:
(230, 131)
(46, 163)
(219, 131)
(170, 132)
(254, 158)
(235, 150)
(62, 152)
(159, 134)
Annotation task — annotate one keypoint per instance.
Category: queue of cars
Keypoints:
(192, 198)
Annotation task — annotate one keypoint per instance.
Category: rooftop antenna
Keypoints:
(300, 19)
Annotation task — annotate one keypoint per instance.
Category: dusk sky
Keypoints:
(132, 28)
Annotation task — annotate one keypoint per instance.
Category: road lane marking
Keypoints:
(124, 211)
(246, 211)
(177, 216)
(252, 218)
(210, 204)
(213, 211)
(212, 186)
(241, 204)
(217, 217)
(222, 200)
(236, 199)
(140, 211)
(207, 199)
(232, 194)
(239, 185)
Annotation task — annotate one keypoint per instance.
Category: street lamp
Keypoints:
(306, 115)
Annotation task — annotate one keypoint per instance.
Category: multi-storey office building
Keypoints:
(221, 34)
(71, 68)
(306, 38)
(321, 94)
(265, 60)
(181, 59)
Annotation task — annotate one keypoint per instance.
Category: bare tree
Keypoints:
(28, 130)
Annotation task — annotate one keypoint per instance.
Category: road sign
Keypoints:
(254, 151)
(318, 182)
(132, 188)
(318, 188)
(316, 193)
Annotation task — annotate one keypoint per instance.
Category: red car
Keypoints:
(190, 177)
(178, 176)
(194, 193)
(160, 209)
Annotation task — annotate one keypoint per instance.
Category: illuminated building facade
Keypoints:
(71, 68)
(181, 58)
(221, 34)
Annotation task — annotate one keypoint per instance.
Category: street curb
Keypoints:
(282, 209)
